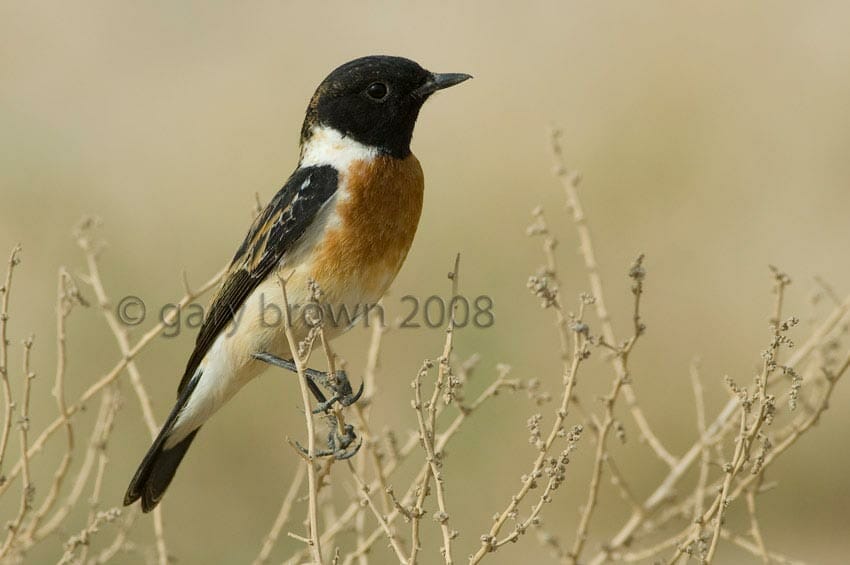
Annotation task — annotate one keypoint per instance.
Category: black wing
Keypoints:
(272, 235)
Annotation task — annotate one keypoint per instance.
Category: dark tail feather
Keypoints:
(155, 473)
(159, 464)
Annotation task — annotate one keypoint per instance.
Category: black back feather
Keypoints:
(272, 235)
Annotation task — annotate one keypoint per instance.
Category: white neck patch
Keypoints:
(328, 146)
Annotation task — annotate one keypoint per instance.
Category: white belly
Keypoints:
(259, 326)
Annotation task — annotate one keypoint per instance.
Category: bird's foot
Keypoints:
(337, 383)
(344, 443)
(341, 445)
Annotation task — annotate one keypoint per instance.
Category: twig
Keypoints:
(498, 384)
(120, 542)
(362, 410)
(489, 541)
(427, 431)
(8, 403)
(799, 429)
(748, 431)
(84, 537)
(665, 487)
(108, 407)
(541, 228)
(27, 489)
(364, 490)
(67, 295)
(111, 376)
(97, 487)
(312, 485)
(569, 182)
(637, 275)
(84, 241)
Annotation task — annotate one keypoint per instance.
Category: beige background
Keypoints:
(712, 137)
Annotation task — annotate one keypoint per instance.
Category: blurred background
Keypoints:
(712, 137)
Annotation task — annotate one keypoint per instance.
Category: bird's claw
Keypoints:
(341, 446)
(338, 384)
(351, 399)
(342, 393)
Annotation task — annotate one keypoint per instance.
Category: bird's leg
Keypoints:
(337, 383)
(340, 445)
(289, 364)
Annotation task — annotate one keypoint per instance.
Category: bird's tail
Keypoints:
(160, 463)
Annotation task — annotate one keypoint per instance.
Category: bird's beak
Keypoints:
(439, 81)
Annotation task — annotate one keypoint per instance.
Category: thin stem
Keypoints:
(489, 540)
(103, 422)
(427, 432)
(142, 395)
(27, 489)
(569, 182)
(67, 296)
(312, 483)
(111, 376)
(665, 488)
(8, 403)
(364, 490)
(442, 440)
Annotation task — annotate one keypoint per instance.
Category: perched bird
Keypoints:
(345, 219)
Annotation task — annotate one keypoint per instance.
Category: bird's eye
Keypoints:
(377, 91)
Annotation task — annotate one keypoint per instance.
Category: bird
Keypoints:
(344, 222)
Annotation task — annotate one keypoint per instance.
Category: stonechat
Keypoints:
(343, 222)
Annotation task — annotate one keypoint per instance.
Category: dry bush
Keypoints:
(682, 519)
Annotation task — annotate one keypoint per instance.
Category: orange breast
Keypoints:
(378, 221)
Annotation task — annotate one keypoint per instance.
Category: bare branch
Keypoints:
(8, 403)
(27, 490)
(314, 542)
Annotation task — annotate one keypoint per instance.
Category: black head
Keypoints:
(375, 100)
